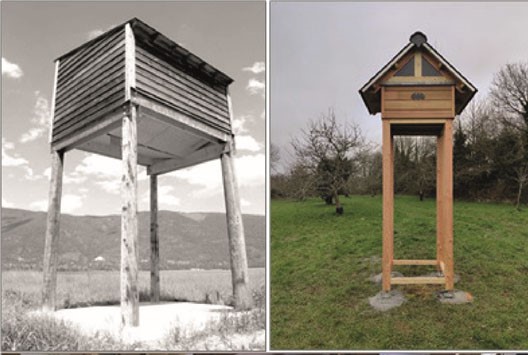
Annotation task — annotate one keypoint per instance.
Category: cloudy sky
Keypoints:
(322, 53)
(229, 35)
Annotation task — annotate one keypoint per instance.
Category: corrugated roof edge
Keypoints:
(228, 80)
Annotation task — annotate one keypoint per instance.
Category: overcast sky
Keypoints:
(322, 53)
(228, 35)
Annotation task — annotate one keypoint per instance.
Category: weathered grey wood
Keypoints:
(200, 156)
(154, 241)
(51, 246)
(111, 146)
(176, 118)
(130, 61)
(129, 224)
(235, 230)
(53, 101)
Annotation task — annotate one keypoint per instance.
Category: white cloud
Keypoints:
(255, 87)
(256, 68)
(98, 31)
(239, 124)
(6, 203)
(250, 169)
(245, 142)
(11, 70)
(40, 205)
(40, 119)
(244, 202)
(11, 159)
(165, 196)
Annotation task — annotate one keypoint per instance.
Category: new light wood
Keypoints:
(388, 205)
(154, 241)
(417, 280)
(51, 244)
(440, 226)
(129, 224)
(447, 192)
(413, 262)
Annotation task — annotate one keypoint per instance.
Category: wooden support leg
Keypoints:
(448, 204)
(129, 225)
(51, 247)
(388, 206)
(235, 231)
(154, 241)
(439, 203)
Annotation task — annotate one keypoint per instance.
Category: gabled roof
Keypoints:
(371, 95)
(174, 53)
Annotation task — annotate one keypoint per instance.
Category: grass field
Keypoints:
(321, 264)
(21, 293)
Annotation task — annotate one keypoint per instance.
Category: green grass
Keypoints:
(321, 264)
(21, 293)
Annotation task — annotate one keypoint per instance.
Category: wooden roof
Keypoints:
(371, 93)
(169, 50)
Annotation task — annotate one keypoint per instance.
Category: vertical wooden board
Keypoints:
(130, 61)
(51, 246)
(235, 231)
(53, 99)
(448, 204)
(388, 204)
(439, 198)
(129, 225)
(154, 241)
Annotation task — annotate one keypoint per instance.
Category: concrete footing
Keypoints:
(377, 278)
(454, 297)
(384, 301)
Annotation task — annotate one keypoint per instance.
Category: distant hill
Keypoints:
(187, 240)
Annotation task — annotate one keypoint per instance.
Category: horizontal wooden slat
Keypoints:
(140, 85)
(87, 103)
(407, 94)
(417, 280)
(199, 96)
(82, 58)
(414, 262)
(399, 105)
(111, 59)
(180, 99)
(418, 114)
(170, 70)
(95, 89)
(77, 122)
(86, 122)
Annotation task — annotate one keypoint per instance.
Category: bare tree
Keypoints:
(329, 150)
(274, 158)
(509, 92)
(521, 177)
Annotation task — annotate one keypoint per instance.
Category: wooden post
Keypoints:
(154, 241)
(439, 202)
(51, 247)
(447, 214)
(388, 205)
(129, 226)
(235, 231)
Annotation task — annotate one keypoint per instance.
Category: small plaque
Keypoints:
(418, 96)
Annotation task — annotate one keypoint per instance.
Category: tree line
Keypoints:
(490, 153)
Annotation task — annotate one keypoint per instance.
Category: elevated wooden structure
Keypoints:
(419, 93)
(134, 94)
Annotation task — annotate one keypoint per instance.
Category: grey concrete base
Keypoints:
(384, 301)
(454, 297)
(377, 278)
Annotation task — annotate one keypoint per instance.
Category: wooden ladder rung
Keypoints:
(417, 280)
(414, 262)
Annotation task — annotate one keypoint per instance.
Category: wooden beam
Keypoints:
(51, 244)
(154, 241)
(130, 61)
(439, 200)
(417, 280)
(129, 223)
(200, 156)
(178, 119)
(447, 190)
(53, 99)
(388, 205)
(111, 147)
(414, 262)
(235, 231)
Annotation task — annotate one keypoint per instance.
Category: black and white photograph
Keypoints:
(133, 176)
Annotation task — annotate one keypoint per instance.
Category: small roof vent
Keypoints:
(418, 38)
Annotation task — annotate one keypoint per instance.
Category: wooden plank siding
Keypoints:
(158, 79)
(398, 102)
(90, 84)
